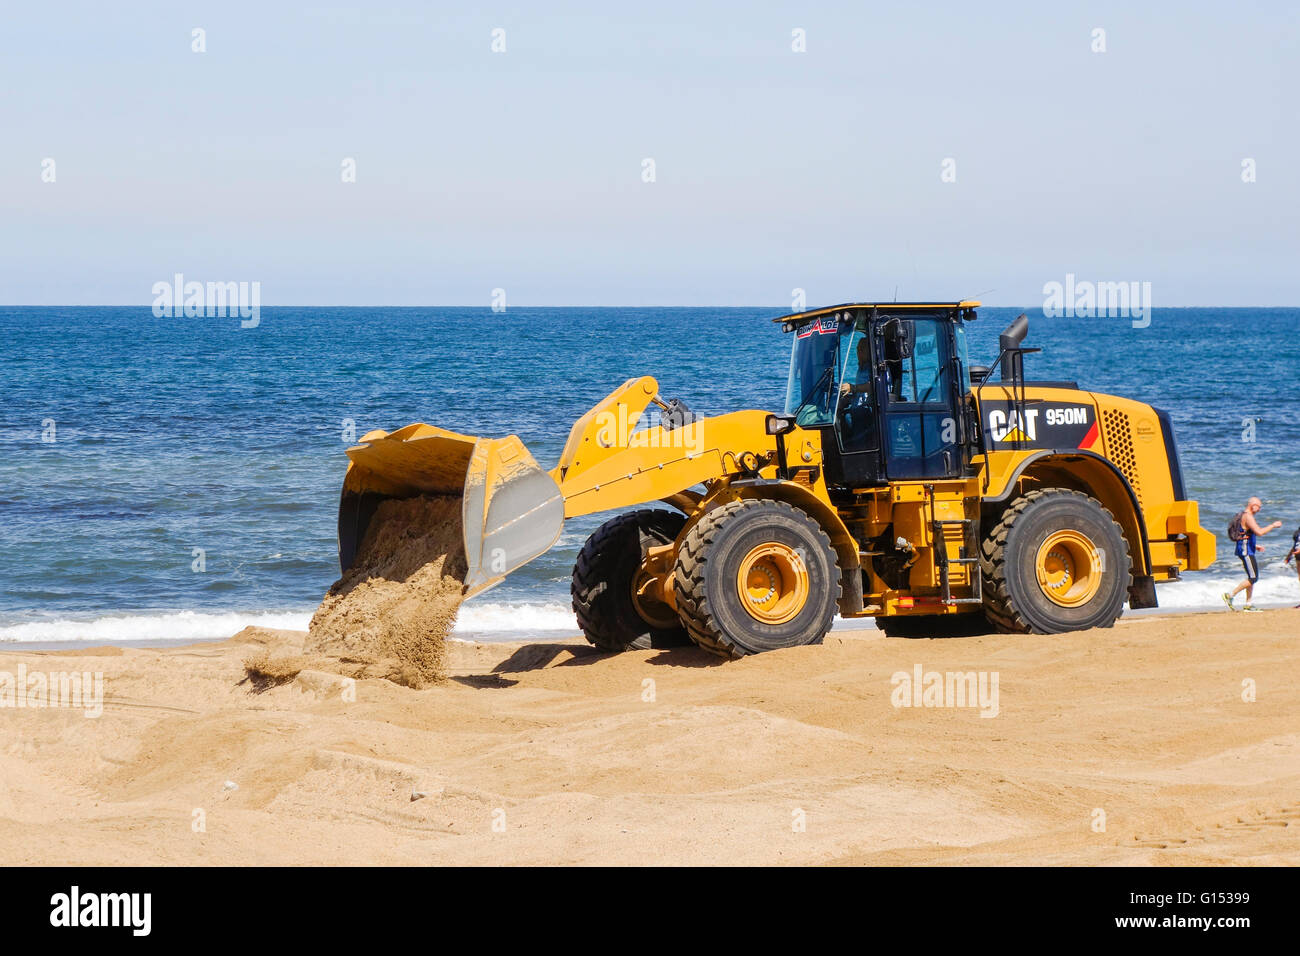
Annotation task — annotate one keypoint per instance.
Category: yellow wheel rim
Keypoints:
(1069, 568)
(648, 604)
(773, 583)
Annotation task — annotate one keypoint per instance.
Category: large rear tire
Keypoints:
(756, 575)
(1057, 561)
(614, 607)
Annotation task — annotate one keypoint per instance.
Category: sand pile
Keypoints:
(390, 613)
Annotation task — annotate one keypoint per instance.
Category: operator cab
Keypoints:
(886, 385)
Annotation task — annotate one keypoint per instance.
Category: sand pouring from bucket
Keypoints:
(512, 510)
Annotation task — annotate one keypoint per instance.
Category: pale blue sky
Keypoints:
(775, 169)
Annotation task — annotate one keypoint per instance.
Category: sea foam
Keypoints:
(499, 621)
(505, 620)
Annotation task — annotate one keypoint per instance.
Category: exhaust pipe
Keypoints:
(1010, 340)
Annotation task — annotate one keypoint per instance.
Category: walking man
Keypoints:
(1244, 530)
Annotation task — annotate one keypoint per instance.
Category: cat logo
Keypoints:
(1008, 426)
(903, 443)
(1063, 425)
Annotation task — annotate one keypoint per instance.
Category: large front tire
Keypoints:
(611, 598)
(756, 575)
(1057, 561)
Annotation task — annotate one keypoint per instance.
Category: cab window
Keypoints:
(917, 363)
(815, 371)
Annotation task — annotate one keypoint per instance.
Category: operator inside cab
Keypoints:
(887, 388)
(857, 407)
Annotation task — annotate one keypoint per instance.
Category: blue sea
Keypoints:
(177, 478)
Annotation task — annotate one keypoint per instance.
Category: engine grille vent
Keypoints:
(1119, 445)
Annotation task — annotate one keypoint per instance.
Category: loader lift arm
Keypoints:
(514, 511)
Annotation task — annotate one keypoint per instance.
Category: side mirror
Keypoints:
(900, 339)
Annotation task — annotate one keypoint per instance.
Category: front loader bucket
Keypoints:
(512, 511)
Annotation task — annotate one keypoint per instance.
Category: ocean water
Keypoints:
(132, 445)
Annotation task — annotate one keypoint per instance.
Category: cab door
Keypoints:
(916, 388)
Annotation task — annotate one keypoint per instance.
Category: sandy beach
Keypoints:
(1125, 746)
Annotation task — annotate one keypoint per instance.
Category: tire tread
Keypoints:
(589, 577)
(999, 606)
(692, 562)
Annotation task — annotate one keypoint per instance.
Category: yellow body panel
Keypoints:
(1134, 467)
(614, 470)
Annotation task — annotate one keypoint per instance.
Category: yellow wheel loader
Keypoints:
(899, 482)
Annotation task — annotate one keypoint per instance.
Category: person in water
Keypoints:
(1295, 553)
